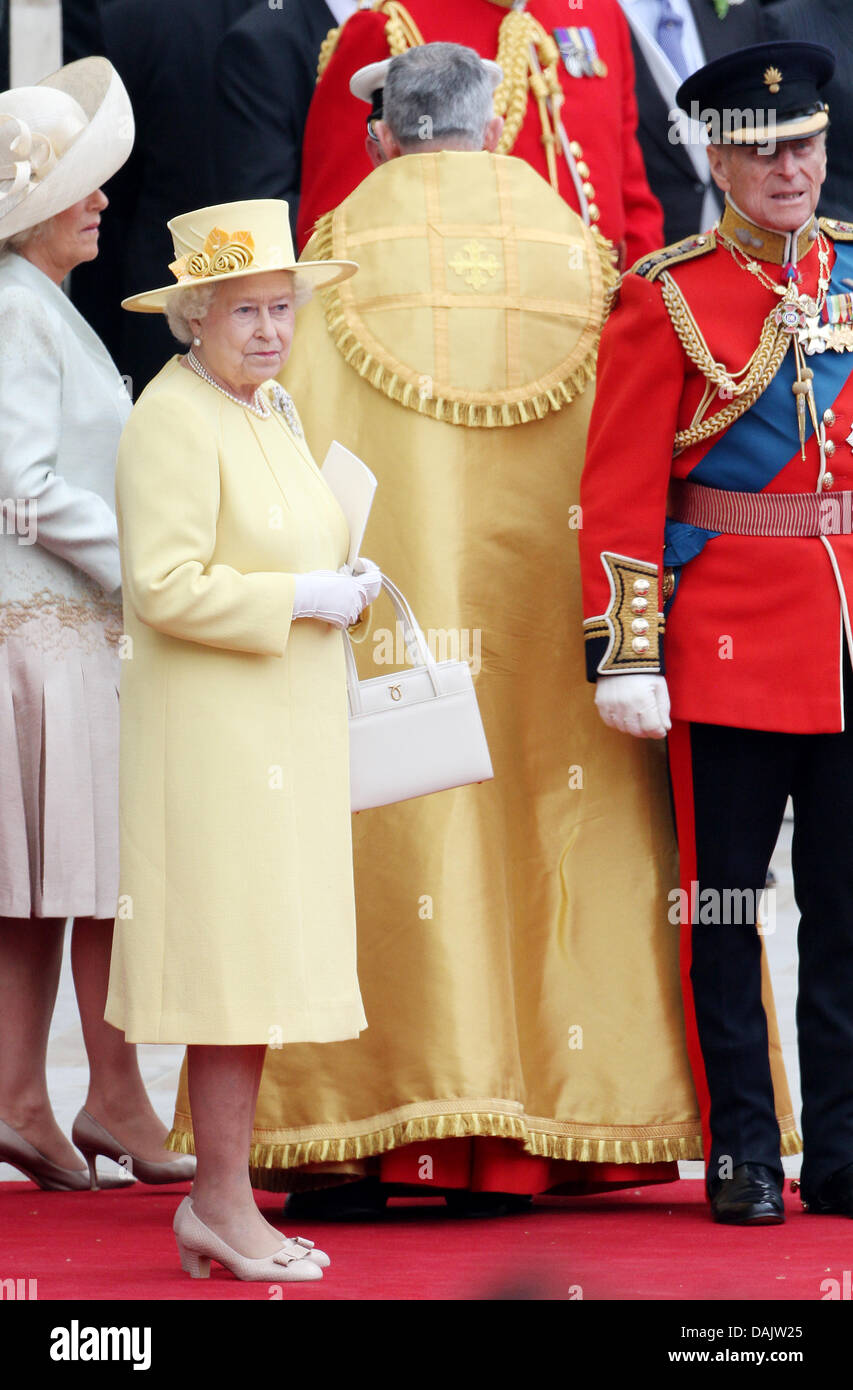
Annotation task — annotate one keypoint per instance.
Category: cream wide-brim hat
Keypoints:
(232, 241)
(60, 140)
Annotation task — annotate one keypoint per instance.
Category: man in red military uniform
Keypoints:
(718, 489)
(567, 99)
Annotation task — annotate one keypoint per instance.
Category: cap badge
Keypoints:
(772, 79)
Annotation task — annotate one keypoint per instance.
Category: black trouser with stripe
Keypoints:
(730, 787)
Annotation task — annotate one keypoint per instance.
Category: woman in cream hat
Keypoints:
(236, 854)
(62, 407)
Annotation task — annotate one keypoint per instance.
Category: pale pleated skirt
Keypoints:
(59, 767)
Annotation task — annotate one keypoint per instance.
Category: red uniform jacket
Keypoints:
(599, 113)
(754, 634)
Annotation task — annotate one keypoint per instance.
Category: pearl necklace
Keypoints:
(259, 408)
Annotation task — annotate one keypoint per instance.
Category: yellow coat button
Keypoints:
(594, 214)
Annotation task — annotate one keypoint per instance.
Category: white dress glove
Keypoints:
(635, 704)
(369, 575)
(333, 598)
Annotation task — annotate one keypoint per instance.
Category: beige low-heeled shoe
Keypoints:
(21, 1154)
(319, 1257)
(198, 1245)
(309, 1250)
(92, 1139)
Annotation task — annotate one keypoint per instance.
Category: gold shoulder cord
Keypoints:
(744, 387)
(518, 34)
(327, 48)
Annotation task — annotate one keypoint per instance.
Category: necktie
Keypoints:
(670, 25)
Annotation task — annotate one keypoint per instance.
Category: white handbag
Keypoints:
(414, 731)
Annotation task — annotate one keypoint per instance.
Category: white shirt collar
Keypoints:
(342, 9)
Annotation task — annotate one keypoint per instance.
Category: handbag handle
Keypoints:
(413, 637)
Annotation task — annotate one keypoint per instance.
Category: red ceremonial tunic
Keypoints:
(599, 113)
(754, 637)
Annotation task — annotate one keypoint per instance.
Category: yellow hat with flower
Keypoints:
(232, 240)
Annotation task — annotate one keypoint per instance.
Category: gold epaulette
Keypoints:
(650, 267)
(401, 31)
(835, 230)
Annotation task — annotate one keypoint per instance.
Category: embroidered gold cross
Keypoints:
(476, 265)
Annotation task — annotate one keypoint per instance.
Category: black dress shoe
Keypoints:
(752, 1196)
(365, 1197)
(834, 1197)
(462, 1203)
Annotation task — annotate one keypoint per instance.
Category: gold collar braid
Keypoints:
(761, 243)
(519, 37)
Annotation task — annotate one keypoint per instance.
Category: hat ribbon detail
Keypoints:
(223, 253)
(25, 158)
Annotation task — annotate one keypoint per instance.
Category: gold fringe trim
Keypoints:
(266, 1157)
(471, 413)
(266, 1161)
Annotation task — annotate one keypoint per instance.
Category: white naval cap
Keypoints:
(372, 78)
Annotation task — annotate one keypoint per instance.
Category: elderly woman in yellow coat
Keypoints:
(236, 917)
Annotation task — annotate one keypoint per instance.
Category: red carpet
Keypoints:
(651, 1243)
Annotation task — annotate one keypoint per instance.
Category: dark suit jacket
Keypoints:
(164, 51)
(82, 34)
(829, 22)
(260, 116)
(4, 45)
(671, 175)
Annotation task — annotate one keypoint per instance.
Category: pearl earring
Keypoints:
(196, 342)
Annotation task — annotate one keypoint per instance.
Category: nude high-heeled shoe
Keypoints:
(198, 1245)
(92, 1139)
(21, 1154)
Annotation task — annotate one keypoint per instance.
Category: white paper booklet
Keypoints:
(353, 485)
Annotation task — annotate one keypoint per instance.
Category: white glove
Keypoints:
(369, 574)
(635, 704)
(336, 599)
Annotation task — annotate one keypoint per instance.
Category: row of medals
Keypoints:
(803, 317)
